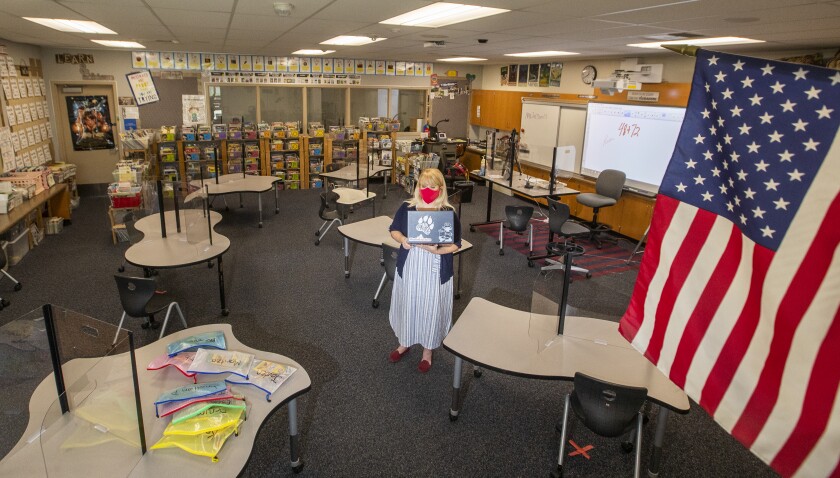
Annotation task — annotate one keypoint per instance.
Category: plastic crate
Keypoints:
(120, 200)
(17, 248)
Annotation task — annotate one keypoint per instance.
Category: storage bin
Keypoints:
(17, 248)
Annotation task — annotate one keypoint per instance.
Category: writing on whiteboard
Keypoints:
(532, 115)
(632, 130)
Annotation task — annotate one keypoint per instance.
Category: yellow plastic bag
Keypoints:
(210, 420)
(207, 444)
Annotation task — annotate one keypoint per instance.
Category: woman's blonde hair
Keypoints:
(431, 177)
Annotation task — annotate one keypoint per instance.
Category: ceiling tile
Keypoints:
(263, 23)
(38, 9)
(110, 14)
(225, 6)
(180, 18)
(302, 9)
(371, 12)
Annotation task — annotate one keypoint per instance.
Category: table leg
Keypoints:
(656, 453)
(489, 208)
(294, 438)
(387, 176)
(241, 204)
(346, 257)
(259, 205)
(458, 285)
(456, 390)
(225, 311)
(276, 201)
(373, 206)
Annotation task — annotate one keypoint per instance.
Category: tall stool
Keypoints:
(608, 189)
(518, 220)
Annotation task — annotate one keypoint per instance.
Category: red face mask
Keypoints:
(429, 195)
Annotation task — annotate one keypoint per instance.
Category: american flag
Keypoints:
(738, 295)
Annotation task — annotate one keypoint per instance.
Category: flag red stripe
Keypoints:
(798, 297)
(697, 234)
(739, 339)
(714, 292)
(663, 212)
(816, 409)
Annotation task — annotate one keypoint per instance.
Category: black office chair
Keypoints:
(608, 189)
(518, 220)
(559, 224)
(608, 409)
(138, 299)
(330, 212)
(389, 254)
(18, 285)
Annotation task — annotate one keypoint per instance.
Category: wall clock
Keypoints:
(588, 74)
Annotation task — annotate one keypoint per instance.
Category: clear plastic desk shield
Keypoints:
(196, 220)
(93, 428)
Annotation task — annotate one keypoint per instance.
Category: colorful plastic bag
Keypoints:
(207, 444)
(222, 361)
(181, 362)
(212, 419)
(265, 375)
(178, 398)
(213, 340)
(238, 401)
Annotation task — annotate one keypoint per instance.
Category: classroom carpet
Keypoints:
(610, 259)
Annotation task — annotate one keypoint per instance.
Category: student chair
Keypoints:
(330, 212)
(518, 220)
(333, 183)
(138, 299)
(18, 285)
(608, 189)
(389, 255)
(608, 409)
(559, 223)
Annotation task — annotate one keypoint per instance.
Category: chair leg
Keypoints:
(530, 239)
(563, 434)
(118, 329)
(639, 422)
(166, 320)
(379, 289)
(501, 240)
(17, 284)
(318, 233)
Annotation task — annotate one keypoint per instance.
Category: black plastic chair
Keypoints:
(559, 224)
(333, 183)
(608, 409)
(330, 212)
(18, 285)
(389, 255)
(608, 188)
(138, 299)
(518, 220)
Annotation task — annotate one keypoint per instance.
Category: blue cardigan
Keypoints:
(400, 223)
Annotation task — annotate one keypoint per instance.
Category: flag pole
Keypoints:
(687, 50)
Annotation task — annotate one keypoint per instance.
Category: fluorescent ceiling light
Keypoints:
(441, 14)
(351, 40)
(73, 26)
(119, 44)
(541, 53)
(313, 52)
(698, 42)
(462, 58)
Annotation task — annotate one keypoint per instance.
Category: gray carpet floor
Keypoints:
(363, 416)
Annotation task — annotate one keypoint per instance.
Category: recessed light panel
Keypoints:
(72, 26)
(441, 14)
(698, 42)
(462, 58)
(351, 40)
(119, 44)
(313, 52)
(532, 54)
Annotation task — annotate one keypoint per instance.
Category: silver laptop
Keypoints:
(431, 227)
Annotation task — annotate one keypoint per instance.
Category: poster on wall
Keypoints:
(193, 109)
(138, 59)
(220, 62)
(544, 72)
(143, 87)
(523, 75)
(534, 75)
(152, 60)
(370, 67)
(167, 60)
(245, 62)
(193, 61)
(503, 76)
(327, 65)
(90, 122)
(338, 66)
(555, 74)
(269, 63)
(180, 60)
(258, 63)
(400, 68)
(513, 74)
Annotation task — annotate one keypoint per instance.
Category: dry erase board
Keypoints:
(638, 140)
(548, 125)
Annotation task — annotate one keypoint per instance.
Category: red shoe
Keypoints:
(396, 356)
(424, 366)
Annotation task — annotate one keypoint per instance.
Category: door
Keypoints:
(88, 137)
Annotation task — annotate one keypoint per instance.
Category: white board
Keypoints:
(550, 125)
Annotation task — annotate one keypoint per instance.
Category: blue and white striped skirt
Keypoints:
(421, 307)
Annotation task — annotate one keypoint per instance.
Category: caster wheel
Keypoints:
(472, 229)
(209, 265)
(501, 252)
(317, 233)
(299, 468)
(4, 303)
(588, 275)
(317, 241)
(346, 275)
(453, 418)
(457, 296)
(277, 211)
(1, 306)
(477, 373)
(375, 304)
(225, 312)
(260, 226)
(18, 286)
(558, 473)
(530, 263)
(627, 446)
(121, 269)
(498, 242)
(598, 246)
(227, 208)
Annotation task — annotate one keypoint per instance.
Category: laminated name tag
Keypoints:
(238, 401)
(180, 362)
(207, 444)
(265, 375)
(213, 340)
(221, 361)
(176, 399)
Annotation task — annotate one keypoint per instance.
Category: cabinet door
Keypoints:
(477, 100)
(636, 215)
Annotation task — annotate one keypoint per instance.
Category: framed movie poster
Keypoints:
(90, 122)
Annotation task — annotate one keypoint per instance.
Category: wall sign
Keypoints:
(73, 58)
(143, 87)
